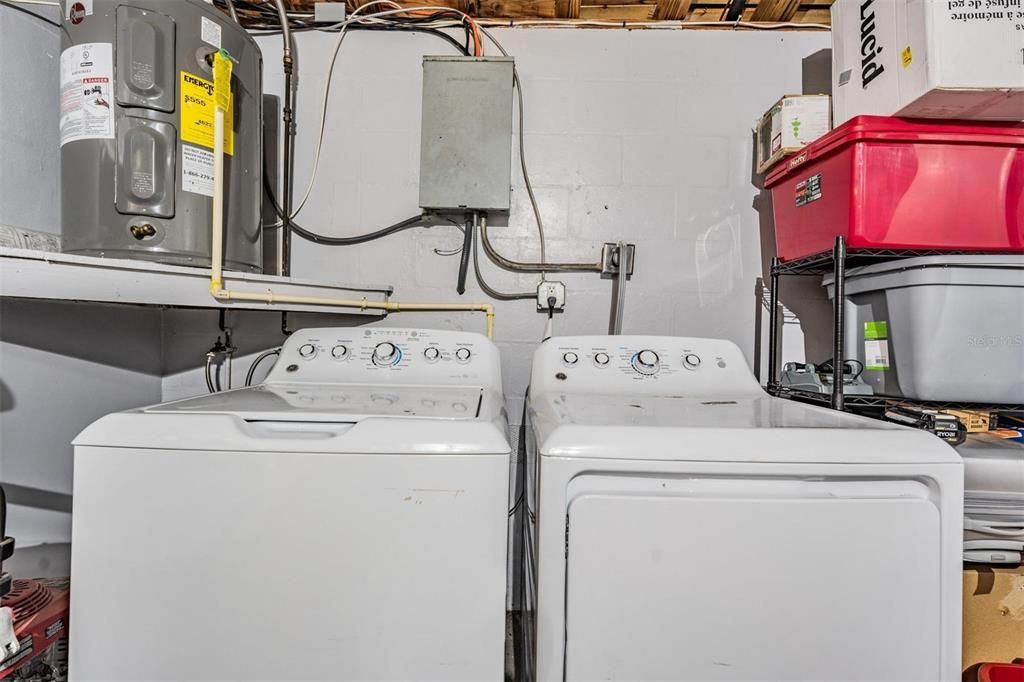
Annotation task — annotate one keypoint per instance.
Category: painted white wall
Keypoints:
(641, 136)
(29, 120)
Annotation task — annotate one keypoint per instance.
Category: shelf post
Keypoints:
(839, 321)
(773, 326)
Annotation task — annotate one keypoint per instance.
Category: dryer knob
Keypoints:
(385, 353)
(646, 361)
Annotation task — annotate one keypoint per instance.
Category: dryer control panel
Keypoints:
(661, 365)
(391, 356)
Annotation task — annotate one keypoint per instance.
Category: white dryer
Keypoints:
(691, 527)
(345, 520)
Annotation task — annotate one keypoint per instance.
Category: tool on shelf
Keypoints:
(819, 378)
(945, 426)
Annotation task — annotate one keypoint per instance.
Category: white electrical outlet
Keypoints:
(547, 290)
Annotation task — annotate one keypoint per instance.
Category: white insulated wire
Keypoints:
(517, 84)
(354, 17)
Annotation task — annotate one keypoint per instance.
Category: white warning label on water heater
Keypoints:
(196, 170)
(86, 93)
(210, 32)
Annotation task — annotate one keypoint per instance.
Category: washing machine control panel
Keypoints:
(383, 355)
(643, 364)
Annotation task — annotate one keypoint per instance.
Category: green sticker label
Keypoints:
(876, 330)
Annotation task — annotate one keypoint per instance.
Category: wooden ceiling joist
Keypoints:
(792, 11)
(775, 10)
(672, 10)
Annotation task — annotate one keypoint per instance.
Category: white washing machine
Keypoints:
(345, 520)
(690, 527)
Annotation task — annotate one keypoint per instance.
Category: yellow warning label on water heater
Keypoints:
(222, 79)
(197, 104)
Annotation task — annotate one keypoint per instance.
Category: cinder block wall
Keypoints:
(634, 135)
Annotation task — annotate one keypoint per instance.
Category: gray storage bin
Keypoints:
(947, 328)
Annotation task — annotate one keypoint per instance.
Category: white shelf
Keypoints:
(65, 277)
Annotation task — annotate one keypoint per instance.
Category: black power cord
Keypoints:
(256, 363)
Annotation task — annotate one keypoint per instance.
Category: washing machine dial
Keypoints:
(432, 353)
(385, 354)
(570, 358)
(307, 351)
(602, 359)
(691, 361)
(339, 352)
(463, 354)
(646, 362)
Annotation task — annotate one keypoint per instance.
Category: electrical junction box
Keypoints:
(466, 144)
(789, 126)
(948, 59)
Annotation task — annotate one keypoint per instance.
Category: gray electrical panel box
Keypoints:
(466, 145)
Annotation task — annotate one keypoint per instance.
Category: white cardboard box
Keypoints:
(794, 122)
(953, 59)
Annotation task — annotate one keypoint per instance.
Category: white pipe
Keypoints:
(219, 292)
(217, 242)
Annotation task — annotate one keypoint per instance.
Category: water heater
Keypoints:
(136, 132)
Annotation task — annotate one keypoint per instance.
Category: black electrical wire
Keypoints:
(363, 238)
(256, 363)
(856, 367)
(467, 248)
(343, 241)
(209, 377)
(734, 10)
(411, 28)
(51, 22)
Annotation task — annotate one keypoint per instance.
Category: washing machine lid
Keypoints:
(740, 429)
(333, 403)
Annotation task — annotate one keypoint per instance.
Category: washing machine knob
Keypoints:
(601, 359)
(339, 352)
(432, 353)
(307, 351)
(646, 361)
(463, 354)
(570, 358)
(385, 353)
(691, 361)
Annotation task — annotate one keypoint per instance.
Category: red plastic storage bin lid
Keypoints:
(1001, 672)
(891, 129)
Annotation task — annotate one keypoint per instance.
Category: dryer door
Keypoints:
(753, 579)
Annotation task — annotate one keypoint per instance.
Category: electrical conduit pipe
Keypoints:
(219, 292)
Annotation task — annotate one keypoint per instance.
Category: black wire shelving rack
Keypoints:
(836, 262)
